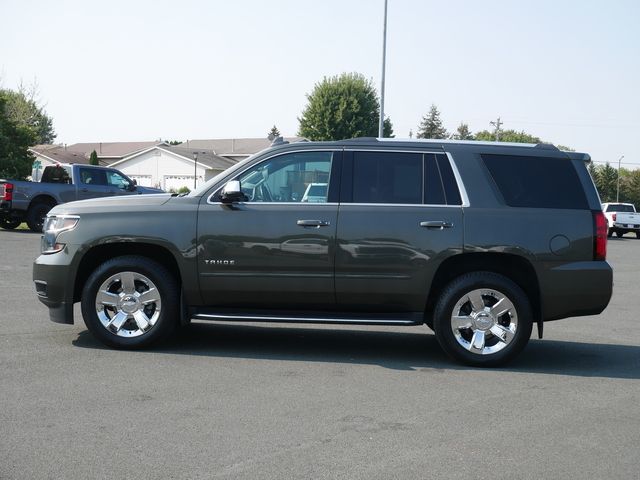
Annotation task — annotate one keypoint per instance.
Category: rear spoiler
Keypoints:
(585, 157)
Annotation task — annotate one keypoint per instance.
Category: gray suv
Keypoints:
(478, 241)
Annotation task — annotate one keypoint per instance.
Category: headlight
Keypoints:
(53, 226)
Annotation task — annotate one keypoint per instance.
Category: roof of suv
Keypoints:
(438, 143)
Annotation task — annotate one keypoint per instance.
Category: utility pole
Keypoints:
(497, 124)
(384, 59)
(618, 187)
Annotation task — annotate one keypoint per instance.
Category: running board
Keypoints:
(400, 319)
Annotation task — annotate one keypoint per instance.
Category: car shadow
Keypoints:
(388, 349)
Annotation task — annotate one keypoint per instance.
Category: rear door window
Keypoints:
(387, 177)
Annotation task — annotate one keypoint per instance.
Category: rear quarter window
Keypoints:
(536, 182)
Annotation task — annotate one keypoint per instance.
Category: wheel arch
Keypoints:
(98, 254)
(515, 267)
(43, 198)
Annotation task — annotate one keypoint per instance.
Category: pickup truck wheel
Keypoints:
(131, 302)
(619, 234)
(9, 223)
(483, 319)
(36, 215)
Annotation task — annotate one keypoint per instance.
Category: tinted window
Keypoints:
(616, 207)
(537, 182)
(381, 177)
(433, 189)
(92, 176)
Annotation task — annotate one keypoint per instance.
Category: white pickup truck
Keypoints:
(622, 218)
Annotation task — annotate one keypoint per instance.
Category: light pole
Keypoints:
(618, 187)
(195, 169)
(384, 58)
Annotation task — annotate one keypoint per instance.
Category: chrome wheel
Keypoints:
(128, 304)
(484, 321)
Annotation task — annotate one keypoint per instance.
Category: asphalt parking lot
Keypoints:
(312, 402)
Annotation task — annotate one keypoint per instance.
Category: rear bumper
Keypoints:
(575, 289)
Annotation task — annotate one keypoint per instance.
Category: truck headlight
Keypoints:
(53, 226)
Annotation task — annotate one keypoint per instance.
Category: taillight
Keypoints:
(599, 236)
(8, 192)
(614, 216)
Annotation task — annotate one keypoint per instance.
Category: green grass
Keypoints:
(22, 226)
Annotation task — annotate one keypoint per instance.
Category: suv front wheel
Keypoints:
(483, 319)
(130, 302)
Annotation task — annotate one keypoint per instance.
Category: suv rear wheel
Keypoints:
(131, 302)
(483, 319)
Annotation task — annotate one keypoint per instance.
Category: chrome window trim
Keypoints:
(277, 203)
(461, 187)
(452, 163)
(278, 154)
(418, 205)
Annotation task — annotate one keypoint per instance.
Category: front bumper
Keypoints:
(54, 278)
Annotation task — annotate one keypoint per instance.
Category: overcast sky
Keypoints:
(566, 71)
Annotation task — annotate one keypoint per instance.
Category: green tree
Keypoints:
(175, 142)
(273, 133)
(15, 139)
(607, 182)
(463, 132)
(343, 106)
(93, 158)
(508, 136)
(22, 107)
(593, 171)
(633, 188)
(387, 128)
(431, 125)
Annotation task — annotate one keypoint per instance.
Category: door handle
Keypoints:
(436, 224)
(312, 223)
(84, 190)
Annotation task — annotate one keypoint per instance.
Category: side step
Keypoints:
(412, 318)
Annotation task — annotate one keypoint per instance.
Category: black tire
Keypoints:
(638, 234)
(610, 232)
(619, 234)
(452, 301)
(36, 214)
(10, 223)
(128, 334)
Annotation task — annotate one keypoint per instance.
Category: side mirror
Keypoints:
(132, 186)
(232, 192)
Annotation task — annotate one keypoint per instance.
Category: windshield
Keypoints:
(203, 188)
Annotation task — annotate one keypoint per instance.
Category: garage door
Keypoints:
(175, 182)
(142, 180)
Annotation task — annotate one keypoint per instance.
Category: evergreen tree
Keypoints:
(93, 158)
(431, 125)
(273, 133)
(387, 128)
(463, 132)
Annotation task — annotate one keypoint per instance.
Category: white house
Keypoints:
(157, 164)
(172, 167)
